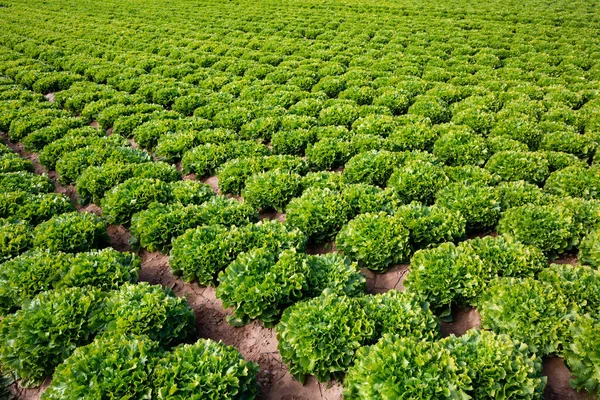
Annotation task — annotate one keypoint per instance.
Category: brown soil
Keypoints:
(558, 381)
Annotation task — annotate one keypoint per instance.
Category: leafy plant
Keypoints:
(26, 182)
(38, 270)
(589, 249)
(531, 167)
(404, 366)
(37, 338)
(461, 148)
(550, 228)
(71, 232)
(16, 236)
(320, 336)
(479, 205)
(375, 240)
(527, 310)
(259, 284)
(110, 366)
(144, 309)
(418, 181)
(574, 181)
(271, 190)
(319, 213)
(34, 208)
(206, 368)
(581, 354)
(498, 366)
(430, 226)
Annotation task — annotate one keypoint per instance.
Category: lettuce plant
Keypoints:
(272, 190)
(320, 336)
(579, 284)
(479, 205)
(418, 181)
(34, 208)
(527, 310)
(206, 368)
(143, 309)
(319, 213)
(110, 366)
(550, 228)
(515, 166)
(259, 284)
(71, 232)
(155, 227)
(38, 270)
(470, 175)
(589, 249)
(399, 367)
(581, 354)
(430, 225)
(446, 275)
(574, 181)
(460, 147)
(498, 366)
(16, 236)
(519, 193)
(37, 338)
(375, 240)
(25, 182)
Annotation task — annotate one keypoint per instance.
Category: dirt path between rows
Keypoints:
(257, 343)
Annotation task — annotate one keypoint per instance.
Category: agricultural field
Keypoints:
(298, 200)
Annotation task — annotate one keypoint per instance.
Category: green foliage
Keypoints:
(461, 148)
(574, 181)
(333, 273)
(203, 252)
(38, 270)
(558, 160)
(133, 195)
(218, 370)
(375, 240)
(292, 142)
(430, 226)
(144, 309)
(400, 314)
(319, 213)
(259, 284)
(111, 366)
(470, 175)
(37, 338)
(479, 205)
(71, 232)
(72, 164)
(25, 182)
(205, 159)
(54, 151)
(446, 275)
(589, 249)
(94, 182)
(550, 228)
(508, 305)
(328, 153)
(418, 181)
(16, 236)
(569, 142)
(342, 114)
(498, 366)
(519, 193)
(320, 336)
(496, 144)
(34, 208)
(154, 228)
(520, 128)
(413, 136)
(171, 146)
(188, 192)
(579, 284)
(581, 354)
(13, 163)
(272, 190)
(234, 173)
(399, 367)
(431, 107)
(515, 166)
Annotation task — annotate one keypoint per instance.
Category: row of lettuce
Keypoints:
(259, 280)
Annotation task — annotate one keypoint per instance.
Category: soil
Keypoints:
(259, 344)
